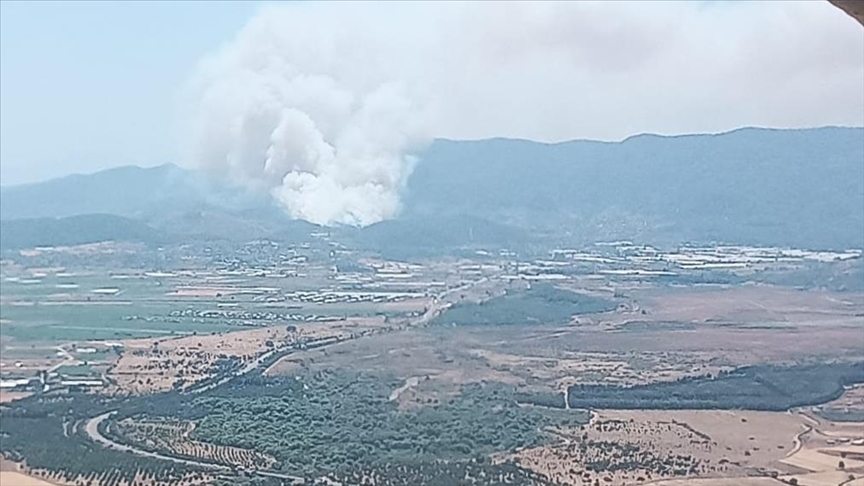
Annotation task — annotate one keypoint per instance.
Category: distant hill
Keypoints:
(75, 230)
(182, 204)
(761, 186)
(751, 186)
(128, 191)
(408, 237)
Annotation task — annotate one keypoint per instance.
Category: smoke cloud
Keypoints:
(310, 113)
(321, 104)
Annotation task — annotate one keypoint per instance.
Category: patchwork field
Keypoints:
(53, 305)
(311, 373)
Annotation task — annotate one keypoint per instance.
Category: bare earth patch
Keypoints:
(720, 482)
(752, 304)
(632, 447)
(11, 396)
(158, 364)
(13, 478)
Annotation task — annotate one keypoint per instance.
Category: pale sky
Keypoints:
(86, 86)
(89, 85)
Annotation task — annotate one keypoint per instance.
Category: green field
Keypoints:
(73, 322)
(66, 308)
(77, 371)
(541, 304)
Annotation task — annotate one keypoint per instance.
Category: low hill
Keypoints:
(126, 191)
(75, 230)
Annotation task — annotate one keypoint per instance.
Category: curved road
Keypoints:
(91, 427)
(92, 430)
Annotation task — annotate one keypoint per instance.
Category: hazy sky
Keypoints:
(84, 86)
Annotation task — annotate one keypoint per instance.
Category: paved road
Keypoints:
(92, 430)
(92, 425)
(68, 360)
(242, 371)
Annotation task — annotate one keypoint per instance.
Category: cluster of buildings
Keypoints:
(46, 381)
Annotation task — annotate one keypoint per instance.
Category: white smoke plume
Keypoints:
(321, 103)
(314, 114)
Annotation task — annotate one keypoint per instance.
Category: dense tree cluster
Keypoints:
(47, 442)
(343, 424)
(771, 388)
(343, 421)
(171, 438)
(542, 303)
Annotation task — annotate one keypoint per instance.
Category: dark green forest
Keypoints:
(541, 304)
(770, 388)
(342, 424)
(342, 421)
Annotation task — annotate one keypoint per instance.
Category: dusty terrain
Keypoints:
(681, 333)
(14, 478)
(10, 396)
(751, 304)
(824, 446)
(151, 365)
(753, 481)
(660, 335)
(620, 447)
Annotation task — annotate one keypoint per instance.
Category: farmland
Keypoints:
(268, 366)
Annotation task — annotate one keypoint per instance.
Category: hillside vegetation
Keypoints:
(541, 304)
(799, 188)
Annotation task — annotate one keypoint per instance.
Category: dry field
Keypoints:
(825, 459)
(623, 347)
(744, 481)
(16, 474)
(11, 396)
(721, 448)
(825, 430)
(42, 478)
(14, 478)
(444, 359)
(152, 365)
(820, 459)
(632, 447)
(752, 304)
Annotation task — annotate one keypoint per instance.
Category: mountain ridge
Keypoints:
(798, 187)
(174, 166)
